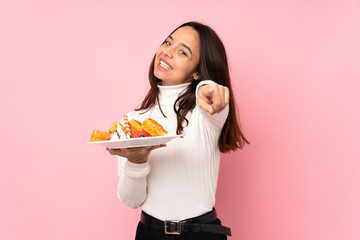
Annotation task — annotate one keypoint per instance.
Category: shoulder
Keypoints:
(141, 115)
(135, 114)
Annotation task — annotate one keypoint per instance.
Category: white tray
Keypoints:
(135, 142)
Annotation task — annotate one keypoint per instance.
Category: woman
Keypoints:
(175, 184)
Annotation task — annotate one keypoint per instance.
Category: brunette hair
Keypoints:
(212, 65)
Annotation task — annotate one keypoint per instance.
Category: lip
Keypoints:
(161, 59)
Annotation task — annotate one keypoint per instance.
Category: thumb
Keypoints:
(205, 100)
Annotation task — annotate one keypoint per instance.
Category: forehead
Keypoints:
(188, 36)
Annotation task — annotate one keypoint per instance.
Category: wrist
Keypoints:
(138, 160)
(135, 170)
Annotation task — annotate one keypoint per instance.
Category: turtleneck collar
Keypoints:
(169, 94)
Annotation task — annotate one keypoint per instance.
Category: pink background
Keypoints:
(68, 67)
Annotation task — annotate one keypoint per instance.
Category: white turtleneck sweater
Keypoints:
(178, 181)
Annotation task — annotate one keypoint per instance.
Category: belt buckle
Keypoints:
(178, 232)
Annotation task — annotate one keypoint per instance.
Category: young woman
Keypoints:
(190, 94)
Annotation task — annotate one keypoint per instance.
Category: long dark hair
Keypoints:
(212, 65)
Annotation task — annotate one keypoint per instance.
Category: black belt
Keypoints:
(199, 224)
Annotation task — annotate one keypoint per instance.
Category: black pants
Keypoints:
(143, 233)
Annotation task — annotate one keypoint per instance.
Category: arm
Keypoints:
(132, 182)
(133, 169)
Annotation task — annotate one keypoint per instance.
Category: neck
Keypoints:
(169, 94)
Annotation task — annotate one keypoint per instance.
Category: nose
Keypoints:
(168, 51)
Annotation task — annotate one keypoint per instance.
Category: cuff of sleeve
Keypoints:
(134, 170)
(204, 82)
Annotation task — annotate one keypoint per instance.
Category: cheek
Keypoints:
(157, 55)
(158, 52)
(184, 63)
(189, 67)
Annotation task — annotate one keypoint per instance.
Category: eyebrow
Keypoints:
(182, 44)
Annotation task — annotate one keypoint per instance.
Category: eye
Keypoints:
(167, 43)
(183, 53)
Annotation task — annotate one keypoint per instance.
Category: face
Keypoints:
(177, 58)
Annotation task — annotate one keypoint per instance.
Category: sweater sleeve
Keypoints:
(132, 182)
(216, 120)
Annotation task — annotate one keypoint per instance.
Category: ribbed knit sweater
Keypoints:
(178, 181)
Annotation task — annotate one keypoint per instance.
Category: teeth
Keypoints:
(164, 65)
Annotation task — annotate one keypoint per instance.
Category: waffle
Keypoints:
(99, 136)
(114, 126)
(135, 125)
(153, 128)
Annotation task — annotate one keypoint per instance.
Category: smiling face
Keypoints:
(177, 58)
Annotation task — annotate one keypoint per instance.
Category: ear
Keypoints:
(196, 76)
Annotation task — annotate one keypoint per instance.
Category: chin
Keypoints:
(159, 75)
